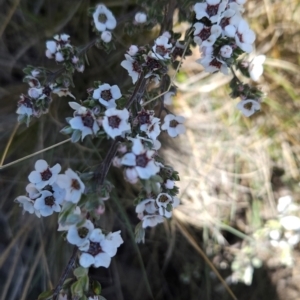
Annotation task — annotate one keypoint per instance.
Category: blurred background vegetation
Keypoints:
(233, 169)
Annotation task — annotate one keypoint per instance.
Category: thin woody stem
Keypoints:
(65, 273)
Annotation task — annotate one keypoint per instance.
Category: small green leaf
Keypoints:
(45, 295)
(76, 135)
(80, 272)
(77, 289)
(96, 287)
(85, 282)
(67, 130)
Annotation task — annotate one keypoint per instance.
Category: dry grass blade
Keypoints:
(192, 241)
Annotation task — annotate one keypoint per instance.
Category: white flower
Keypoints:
(132, 66)
(290, 222)
(211, 64)
(106, 36)
(48, 203)
(161, 48)
(59, 57)
(152, 220)
(284, 203)
(244, 36)
(101, 249)
(107, 95)
(140, 17)
(84, 120)
(226, 51)
(79, 236)
(131, 175)
(103, 18)
(51, 48)
(61, 91)
(133, 50)
(79, 109)
(248, 107)
(80, 68)
(141, 160)
(256, 67)
(212, 9)
(173, 124)
(168, 98)
(43, 175)
(166, 203)
(73, 185)
(35, 93)
(229, 22)
(27, 202)
(115, 122)
(147, 205)
(206, 36)
(25, 106)
(169, 184)
(152, 129)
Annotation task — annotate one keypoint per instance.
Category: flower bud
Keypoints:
(140, 17)
(226, 51)
(106, 36)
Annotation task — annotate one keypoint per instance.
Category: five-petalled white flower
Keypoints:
(84, 120)
(73, 185)
(115, 122)
(103, 18)
(141, 161)
(107, 95)
(248, 107)
(43, 174)
(173, 125)
(79, 236)
(101, 249)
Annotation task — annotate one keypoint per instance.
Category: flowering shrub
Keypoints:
(133, 124)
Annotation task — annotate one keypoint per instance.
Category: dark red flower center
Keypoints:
(106, 95)
(212, 10)
(141, 160)
(144, 118)
(161, 50)
(75, 184)
(46, 175)
(114, 121)
(94, 249)
(49, 201)
(216, 63)
(88, 121)
(224, 22)
(204, 34)
(153, 64)
(136, 67)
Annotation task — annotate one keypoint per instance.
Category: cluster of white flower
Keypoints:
(221, 33)
(49, 191)
(153, 211)
(104, 21)
(62, 51)
(151, 61)
(38, 97)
